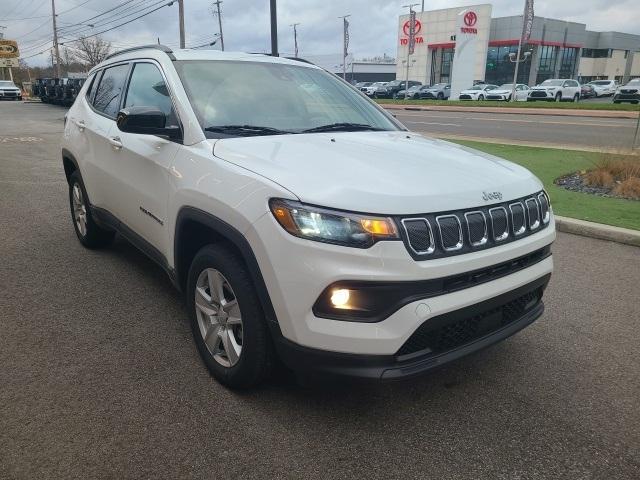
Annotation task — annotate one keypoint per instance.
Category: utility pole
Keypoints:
(412, 26)
(295, 39)
(423, 5)
(345, 41)
(56, 48)
(274, 28)
(181, 20)
(217, 4)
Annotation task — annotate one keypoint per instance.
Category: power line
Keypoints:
(168, 4)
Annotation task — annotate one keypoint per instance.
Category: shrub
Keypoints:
(621, 168)
(599, 178)
(629, 188)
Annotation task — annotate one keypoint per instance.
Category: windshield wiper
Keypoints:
(342, 127)
(245, 130)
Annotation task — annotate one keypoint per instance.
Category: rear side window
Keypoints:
(109, 91)
(147, 88)
(91, 80)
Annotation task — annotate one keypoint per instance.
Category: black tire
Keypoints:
(558, 97)
(616, 101)
(440, 96)
(94, 236)
(576, 98)
(256, 359)
(481, 97)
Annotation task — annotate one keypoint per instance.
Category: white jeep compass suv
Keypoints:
(301, 220)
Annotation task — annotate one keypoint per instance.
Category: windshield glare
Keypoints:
(286, 97)
(506, 86)
(552, 83)
(6, 83)
(600, 82)
(634, 83)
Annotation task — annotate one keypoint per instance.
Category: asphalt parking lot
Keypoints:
(99, 377)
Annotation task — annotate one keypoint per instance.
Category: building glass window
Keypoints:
(547, 63)
(568, 58)
(500, 68)
(596, 53)
(445, 65)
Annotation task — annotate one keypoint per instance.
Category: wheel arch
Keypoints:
(69, 163)
(196, 228)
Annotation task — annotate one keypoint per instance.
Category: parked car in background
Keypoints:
(604, 87)
(556, 90)
(391, 89)
(477, 92)
(439, 91)
(413, 92)
(362, 85)
(9, 91)
(628, 93)
(371, 89)
(504, 91)
(587, 91)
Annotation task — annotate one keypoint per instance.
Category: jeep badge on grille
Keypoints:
(486, 196)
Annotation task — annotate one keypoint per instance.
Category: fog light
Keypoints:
(340, 298)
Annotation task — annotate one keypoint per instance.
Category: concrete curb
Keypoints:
(598, 230)
(516, 111)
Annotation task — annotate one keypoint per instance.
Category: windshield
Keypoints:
(600, 82)
(634, 83)
(439, 85)
(6, 83)
(552, 83)
(288, 98)
(477, 87)
(506, 86)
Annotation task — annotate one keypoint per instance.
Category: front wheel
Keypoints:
(227, 321)
(90, 234)
(480, 97)
(576, 98)
(440, 96)
(558, 97)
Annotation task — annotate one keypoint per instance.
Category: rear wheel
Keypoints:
(90, 234)
(228, 325)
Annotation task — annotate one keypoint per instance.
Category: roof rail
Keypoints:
(298, 59)
(155, 46)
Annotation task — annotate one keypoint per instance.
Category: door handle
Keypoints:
(80, 124)
(116, 143)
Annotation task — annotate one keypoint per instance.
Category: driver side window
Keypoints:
(147, 88)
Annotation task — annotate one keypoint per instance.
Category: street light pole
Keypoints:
(181, 20)
(295, 39)
(411, 27)
(217, 4)
(274, 28)
(56, 48)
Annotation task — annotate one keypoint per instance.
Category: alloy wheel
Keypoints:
(79, 209)
(219, 317)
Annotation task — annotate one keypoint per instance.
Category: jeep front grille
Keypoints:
(444, 234)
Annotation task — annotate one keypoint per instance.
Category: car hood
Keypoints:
(498, 91)
(544, 88)
(471, 92)
(378, 172)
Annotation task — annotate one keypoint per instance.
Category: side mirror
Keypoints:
(146, 121)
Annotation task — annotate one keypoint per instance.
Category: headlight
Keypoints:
(332, 226)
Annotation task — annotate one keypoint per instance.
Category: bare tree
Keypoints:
(91, 51)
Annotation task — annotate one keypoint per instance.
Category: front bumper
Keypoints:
(296, 272)
(490, 315)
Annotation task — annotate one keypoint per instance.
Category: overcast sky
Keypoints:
(246, 22)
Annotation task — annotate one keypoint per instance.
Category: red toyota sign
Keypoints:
(470, 19)
(407, 25)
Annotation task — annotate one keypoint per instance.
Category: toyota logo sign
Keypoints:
(407, 25)
(470, 19)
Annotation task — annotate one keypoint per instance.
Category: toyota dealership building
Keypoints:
(558, 49)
